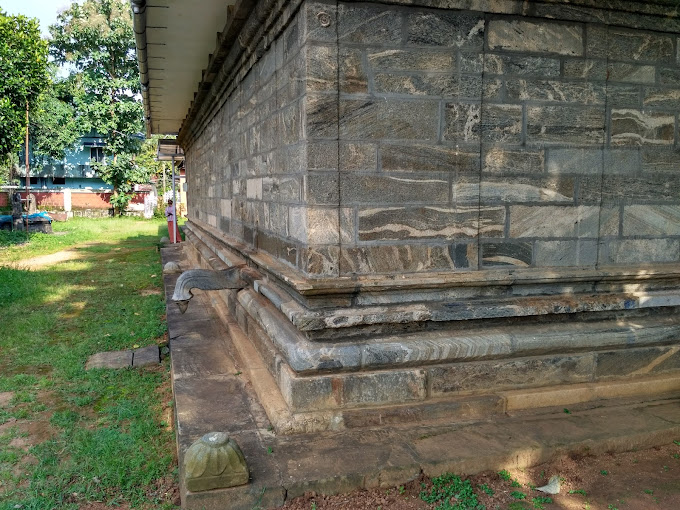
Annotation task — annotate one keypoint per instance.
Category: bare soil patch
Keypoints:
(637, 480)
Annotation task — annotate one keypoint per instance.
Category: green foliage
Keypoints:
(505, 475)
(450, 492)
(578, 491)
(23, 68)
(538, 502)
(96, 40)
(54, 124)
(518, 495)
(486, 489)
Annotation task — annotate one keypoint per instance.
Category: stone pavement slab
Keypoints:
(213, 392)
(144, 356)
(112, 359)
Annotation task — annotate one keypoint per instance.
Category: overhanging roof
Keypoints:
(174, 41)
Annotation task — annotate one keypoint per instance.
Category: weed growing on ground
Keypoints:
(450, 492)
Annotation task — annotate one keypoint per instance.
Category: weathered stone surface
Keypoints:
(384, 387)
(113, 359)
(556, 221)
(412, 60)
(353, 79)
(396, 223)
(395, 258)
(322, 68)
(499, 160)
(367, 189)
(144, 356)
(669, 98)
(651, 220)
(307, 393)
(529, 36)
(503, 253)
(501, 123)
(581, 252)
(623, 96)
(658, 187)
(321, 188)
(631, 73)
(634, 127)
(555, 91)
(441, 28)
(659, 160)
(635, 251)
(634, 361)
(171, 267)
(367, 24)
(462, 122)
(522, 65)
(565, 124)
(323, 260)
(395, 119)
(214, 461)
(427, 158)
(607, 42)
(321, 113)
(513, 188)
(358, 156)
(417, 85)
(592, 161)
(510, 374)
(589, 69)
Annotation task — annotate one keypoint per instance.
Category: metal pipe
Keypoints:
(139, 27)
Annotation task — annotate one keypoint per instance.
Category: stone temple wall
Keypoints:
(390, 139)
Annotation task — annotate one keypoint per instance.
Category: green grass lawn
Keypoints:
(70, 436)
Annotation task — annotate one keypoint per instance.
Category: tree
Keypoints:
(54, 126)
(23, 72)
(96, 40)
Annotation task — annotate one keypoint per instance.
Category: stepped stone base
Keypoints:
(442, 358)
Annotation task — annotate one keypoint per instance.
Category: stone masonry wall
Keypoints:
(387, 139)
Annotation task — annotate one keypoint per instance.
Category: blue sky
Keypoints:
(44, 10)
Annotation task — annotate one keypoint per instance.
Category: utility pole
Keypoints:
(28, 174)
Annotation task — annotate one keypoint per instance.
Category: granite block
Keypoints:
(352, 73)
(492, 189)
(588, 69)
(666, 97)
(388, 259)
(548, 221)
(395, 119)
(565, 124)
(307, 393)
(384, 387)
(321, 117)
(501, 123)
(504, 253)
(399, 223)
(367, 24)
(612, 188)
(651, 220)
(321, 68)
(631, 73)
(358, 156)
(658, 159)
(444, 85)
(498, 160)
(552, 91)
(535, 37)
(322, 260)
(635, 127)
(319, 155)
(321, 188)
(412, 60)
(630, 45)
(632, 361)
(367, 189)
(580, 252)
(462, 122)
(638, 251)
(624, 96)
(510, 374)
(442, 28)
(520, 65)
(427, 158)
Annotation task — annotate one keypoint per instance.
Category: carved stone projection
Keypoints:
(215, 461)
(205, 279)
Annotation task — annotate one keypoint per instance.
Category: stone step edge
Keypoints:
(465, 408)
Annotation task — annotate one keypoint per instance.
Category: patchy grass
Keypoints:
(69, 437)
